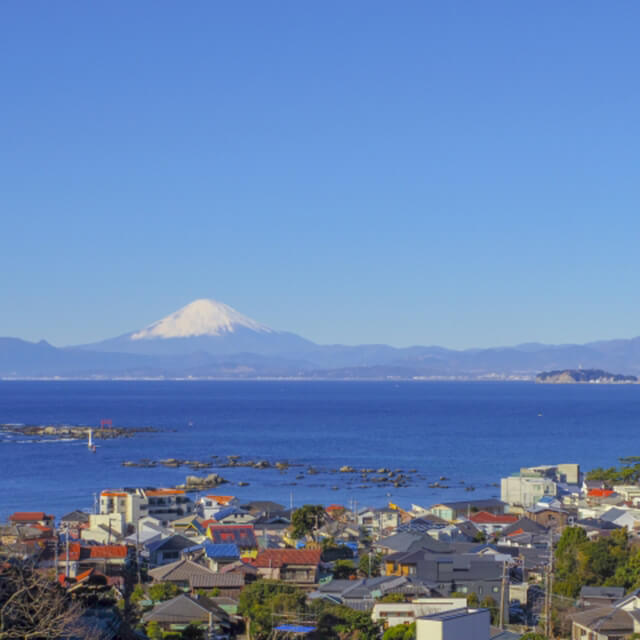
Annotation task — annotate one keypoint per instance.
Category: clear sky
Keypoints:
(453, 173)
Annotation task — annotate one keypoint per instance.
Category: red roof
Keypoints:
(29, 516)
(600, 493)
(484, 517)
(109, 551)
(276, 558)
(517, 532)
(84, 574)
(77, 551)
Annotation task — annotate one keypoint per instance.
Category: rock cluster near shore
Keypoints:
(362, 478)
(76, 432)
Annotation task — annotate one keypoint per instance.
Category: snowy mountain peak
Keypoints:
(200, 318)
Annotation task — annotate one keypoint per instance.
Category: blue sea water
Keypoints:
(472, 432)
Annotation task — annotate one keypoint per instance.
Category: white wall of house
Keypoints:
(407, 612)
(472, 624)
(95, 533)
(525, 491)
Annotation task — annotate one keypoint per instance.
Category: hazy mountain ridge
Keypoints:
(209, 339)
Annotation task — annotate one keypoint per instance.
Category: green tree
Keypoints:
(492, 605)
(138, 594)
(163, 591)
(306, 519)
(343, 569)
(607, 561)
(259, 601)
(337, 622)
(473, 601)
(192, 632)
(153, 630)
(393, 597)
(370, 564)
(400, 632)
(532, 635)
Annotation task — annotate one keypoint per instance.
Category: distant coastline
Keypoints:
(584, 376)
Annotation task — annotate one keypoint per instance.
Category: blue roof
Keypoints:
(152, 546)
(195, 547)
(222, 550)
(223, 513)
(198, 527)
(295, 628)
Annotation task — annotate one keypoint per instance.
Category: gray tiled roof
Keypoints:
(605, 619)
(221, 580)
(183, 609)
(179, 571)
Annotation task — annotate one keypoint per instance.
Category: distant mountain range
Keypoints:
(208, 339)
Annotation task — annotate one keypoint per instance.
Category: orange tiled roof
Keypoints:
(109, 551)
(114, 494)
(276, 558)
(84, 574)
(222, 499)
(484, 517)
(99, 551)
(29, 516)
(600, 493)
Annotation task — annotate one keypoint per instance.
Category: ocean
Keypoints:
(471, 433)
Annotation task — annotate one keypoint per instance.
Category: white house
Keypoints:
(393, 613)
(455, 624)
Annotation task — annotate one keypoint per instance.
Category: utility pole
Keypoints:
(548, 587)
(67, 549)
(503, 589)
(138, 552)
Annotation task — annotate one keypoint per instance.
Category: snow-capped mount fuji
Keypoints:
(208, 326)
(200, 318)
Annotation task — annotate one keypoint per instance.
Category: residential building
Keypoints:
(549, 517)
(164, 504)
(377, 521)
(491, 523)
(455, 624)
(362, 594)
(466, 573)
(175, 614)
(105, 528)
(298, 566)
(604, 623)
(526, 488)
(452, 511)
(167, 550)
(108, 559)
(242, 535)
(31, 518)
(600, 596)
(75, 522)
(190, 575)
(394, 613)
(207, 506)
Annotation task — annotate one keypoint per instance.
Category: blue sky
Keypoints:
(453, 173)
